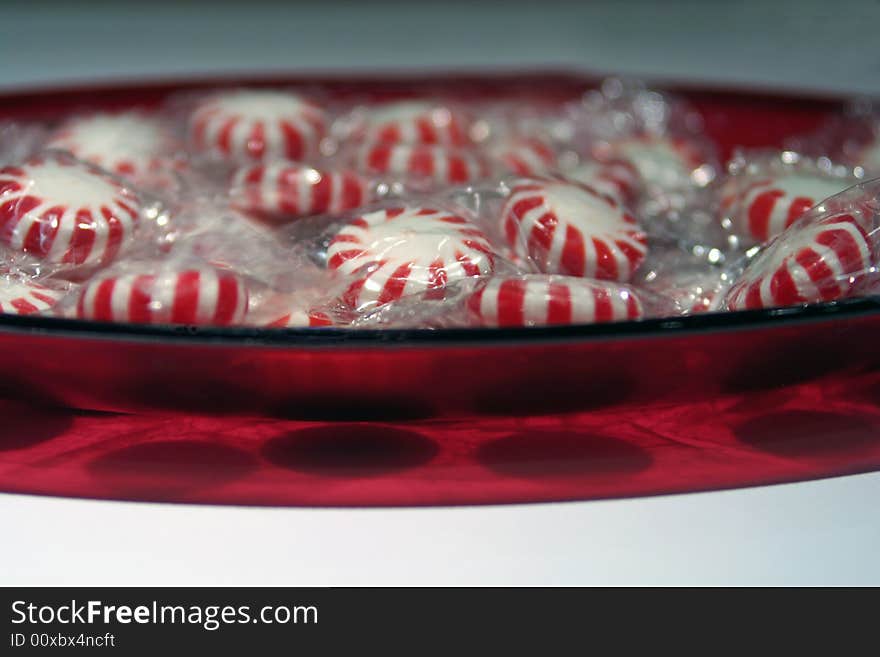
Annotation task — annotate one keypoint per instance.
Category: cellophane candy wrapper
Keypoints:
(764, 192)
(19, 141)
(851, 137)
(429, 144)
(230, 127)
(658, 135)
(282, 276)
(417, 167)
(141, 147)
(695, 281)
(522, 300)
(827, 255)
(177, 290)
(287, 208)
(397, 249)
(570, 228)
(21, 294)
(68, 217)
(281, 191)
(432, 121)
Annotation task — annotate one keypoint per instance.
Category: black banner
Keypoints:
(401, 621)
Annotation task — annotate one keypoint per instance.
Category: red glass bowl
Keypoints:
(345, 373)
(335, 416)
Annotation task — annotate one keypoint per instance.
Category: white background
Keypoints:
(825, 532)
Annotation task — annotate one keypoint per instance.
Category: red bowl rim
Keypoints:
(323, 337)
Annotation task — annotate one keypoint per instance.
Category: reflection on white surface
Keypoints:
(824, 532)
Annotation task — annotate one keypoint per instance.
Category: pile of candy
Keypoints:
(277, 208)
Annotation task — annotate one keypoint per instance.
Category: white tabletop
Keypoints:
(822, 532)
(825, 532)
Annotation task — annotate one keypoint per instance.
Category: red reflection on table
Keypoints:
(800, 432)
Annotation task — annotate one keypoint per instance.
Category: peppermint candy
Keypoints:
(766, 207)
(199, 296)
(129, 144)
(416, 122)
(571, 228)
(258, 125)
(300, 319)
(439, 165)
(66, 212)
(617, 178)
(539, 300)
(819, 262)
(524, 156)
(665, 162)
(26, 297)
(399, 251)
(284, 190)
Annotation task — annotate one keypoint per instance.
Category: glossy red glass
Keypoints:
(334, 416)
(792, 433)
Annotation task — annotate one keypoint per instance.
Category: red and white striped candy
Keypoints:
(617, 178)
(820, 262)
(285, 190)
(257, 125)
(538, 300)
(300, 319)
(64, 211)
(405, 250)
(25, 297)
(767, 207)
(128, 144)
(201, 296)
(440, 165)
(416, 122)
(570, 228)
(663, 161)
(524, 156)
